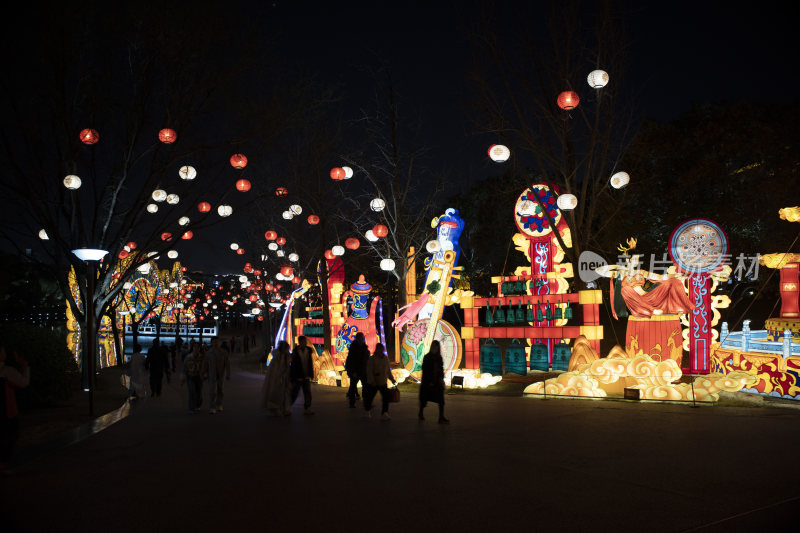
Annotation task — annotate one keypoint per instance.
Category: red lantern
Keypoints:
(238, 161)
(287, 271)
(281, 241)
(337, 173)
(204, 207)
(183, 269)
(329, 255)
(89, 136)
(167, 136)
(296, 280)
(131, 245)
(380, 230)
(166, 236)
(271, 235)
(256, 272)
(352, 243)
(568, 100)
(281, 191)
(243, 185)
(269, 286)
(260, 318)
(313, 220)
(123, 254)
(253, 297)
(240, 251)
(248, 267)
(188, 235)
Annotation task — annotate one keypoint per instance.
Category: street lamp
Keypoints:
(91, 256)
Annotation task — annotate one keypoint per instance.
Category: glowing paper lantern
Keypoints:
(313, 220)
(295, 209)
(348, 172)
(72, 182)
(188, 235)
(294, 258)
(380, 231)
(271, 235)
(281, 240)
(224, 210)
(238, 161)
(173, 199)
(240, 251)
(152, 208)
(620, 179)
(187, 173)
(352, 243)
(287, 271)
(122, 255)
(338, 250)
(281, 192)
(337, 173)
(329, 255)
(172, 254)
(167, 136)
(371, 237)
(287, 215)
(243, 185)
(89, 136)
(433, 247)
(131, 245)
(183, 221)
(166, 236)
(597, 79)
(273, 246)
(387, 264)
(204, 207)
(377, 204)
(568, 100)
(296, 280)
(43, 235)
(159, 195)
(499, 153)
(567, 202)
(280, 253)
(234, 246)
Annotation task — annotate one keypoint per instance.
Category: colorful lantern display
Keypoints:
(380, 231)
(620, 179)
(167, 136)
(243, 185)
(377, 204)
(567, 202)
(281, 240)
(499, 153)
(188, 235)
(204, 207)
(313, 220)
(89, 136)
(387, 264)
(238, 161)
(597, 79)
(337, 173)
(348, 172)
(352, 243)
(152, 208)
(271, 235)
(568, 100)
(338, 250)
(72, 182)
(287, 271)
(187, 173)
(224, 210)
(281, 192)
(183, 221)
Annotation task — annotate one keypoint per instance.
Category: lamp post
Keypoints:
(91, 256)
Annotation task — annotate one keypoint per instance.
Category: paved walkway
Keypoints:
(503, 464)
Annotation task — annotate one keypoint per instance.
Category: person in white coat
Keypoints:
(378, 373)
(138, 373)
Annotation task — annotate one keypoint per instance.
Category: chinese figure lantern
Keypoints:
(352, 243)
(240, 251)
(313, 220)
(329, 255)
(167, 136)
(72, 182)
(166, 236)
(281, 240)
(89, 136)
(271, 235)
(204, 207)
(597, 79)
(281, 191)
(187, 173)
(337, 173)
(568, 100)
(238, 161)
(499, 153)
(287, 271)
(567, 202)
(188, 235)
(380, 230)
(243, 185)
(620, 179)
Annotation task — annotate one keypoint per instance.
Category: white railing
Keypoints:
(168, 330)
(756, 341)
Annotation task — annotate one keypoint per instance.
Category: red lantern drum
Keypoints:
(313, 220)
(281, 191)
(568, 100)
(243, 185)
(238, 161)
(352, 243)
(89, 136)
(271, 235)
(380, 230)
(167, 136)
(337, 173)
(204, 207)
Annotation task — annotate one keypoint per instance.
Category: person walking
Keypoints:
(432, 385)
(275, 392)
(138, 373)
(218, 368)
(158, 364)
(378, 373)
(11, 379)
(301, 372)
(356, 367)
(193, 374)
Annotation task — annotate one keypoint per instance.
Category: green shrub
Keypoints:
(54, 372)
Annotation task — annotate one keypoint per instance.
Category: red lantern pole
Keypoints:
(699, 325)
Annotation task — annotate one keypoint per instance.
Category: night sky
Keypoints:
(682, 54)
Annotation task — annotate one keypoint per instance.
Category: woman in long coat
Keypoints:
(432, 384)
(275, 394)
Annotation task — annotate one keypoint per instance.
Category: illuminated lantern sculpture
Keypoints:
(567, 202)
(166, 236)
(72, 182)
(188, 235)
(281, 240)
(499, 153)
(152, 208)
(313, 220)
(224, 210)
(281, 192)
(329, 255)
(620, 179)
(337, 173)
(337, 250)
(287, 271)
(204, 207)
(271, 235)
(240, 251)
(387, 264)
(380, 231)
(597, 79)
(348, 172)
(167, 136)
(568, 100)
(377, 204)
(89, 136)
(243, 185)
(187, 173)
(352, 243)
(238, 161)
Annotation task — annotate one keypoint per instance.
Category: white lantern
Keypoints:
(187, 173)
(620, 179)
(273, 246)
(597, 79)
(242, 279)
(234, 246)
(205, 304)
(433, 247)
(127, 285)
(499, 153)
(280, 253)
(287, 215)
(295, 209)
(294, 258)
(567, 202)
(377, 205)
(255, 310)
(225, 210)
(72, 182)
(173, 199)
(159, 195)
(152, 208)
(371, 237)
(387, 264)
(183, 221)
(43, 235)
(338, 250)
(172, 254)
(348, 172)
